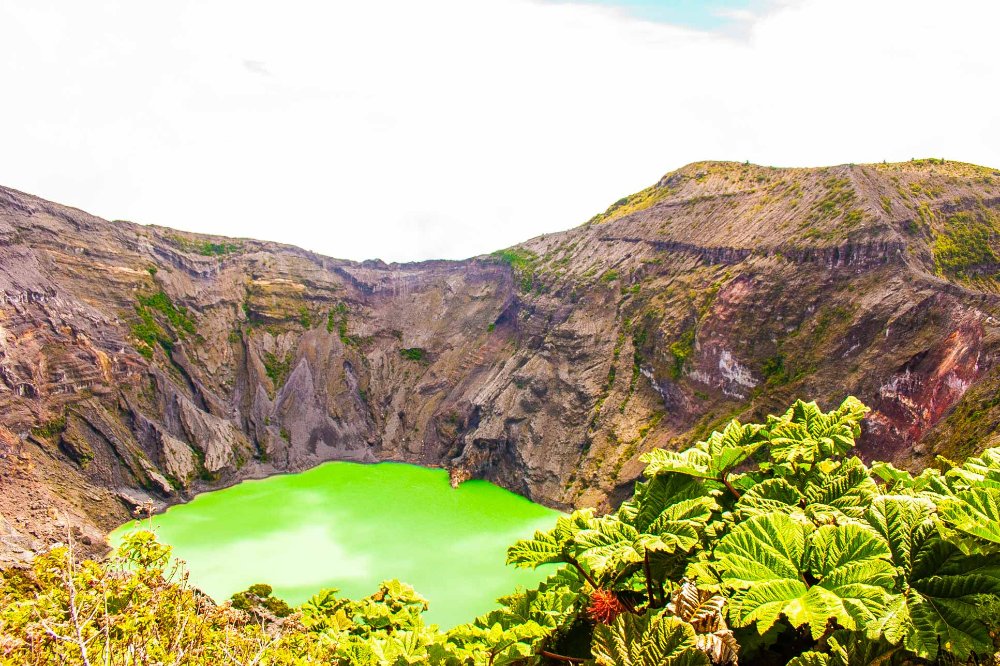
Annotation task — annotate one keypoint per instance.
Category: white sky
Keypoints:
(447, 128)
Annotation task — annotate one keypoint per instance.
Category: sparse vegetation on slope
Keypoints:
(965, 245)
(633, 203)
(207, 248)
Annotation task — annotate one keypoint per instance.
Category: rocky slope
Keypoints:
(140, 364)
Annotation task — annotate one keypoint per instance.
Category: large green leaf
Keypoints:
(657, 495)
(854, 572)
(939, 585)
(851, 648)
(610, 544)
(811, 658)
(771, 557)
(805, 435)
(762, 558)
(904, 523)
(712, 458)
(495, 644)
(647, 640)
(944, 596)
(693, 513)
(549, 608)
(847, 486)
(549, 547)
(975, 512)
(982, 471)
(772, 495)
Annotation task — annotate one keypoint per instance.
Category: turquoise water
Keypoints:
(351, 526)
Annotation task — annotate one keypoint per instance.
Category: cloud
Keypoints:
(446, 128)
(256, 67)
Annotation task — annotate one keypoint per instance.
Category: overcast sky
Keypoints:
(411, 130)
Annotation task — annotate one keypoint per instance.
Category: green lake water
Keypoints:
(351, 526)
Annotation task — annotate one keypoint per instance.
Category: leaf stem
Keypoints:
(649, 578)
(583, 572)
(560, 657)
(732, 489)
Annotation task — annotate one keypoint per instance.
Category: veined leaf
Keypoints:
(697, 511)
(904, 523)
(848, 648)
(702, 609)
(854, 572)
(712, 458)
(805, 435)
(975, 511)
(647, 640)
(811, 658)
(549, 608)
(982, 471)
(608, 544)
(768, 557)
(769, 496)
(549, 547)
(943, 600)
(763, 557)
(611, 543)
(658, 494)
(940, 585)
(847, 487)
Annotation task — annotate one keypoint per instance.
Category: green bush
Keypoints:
(277, 368)
(177, 316)
(522, 262)
(418, 354)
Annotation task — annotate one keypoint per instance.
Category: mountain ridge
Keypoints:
(144, 364)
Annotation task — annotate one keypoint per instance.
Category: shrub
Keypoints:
(177, 316)
(418, 354)
(277, 368)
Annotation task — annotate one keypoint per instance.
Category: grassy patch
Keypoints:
(336, 320)
(50, 429)
(774, 371)
(517, 258)
(418, 354)
(964, 244)
(886, 205)
(217, 249)
(522, 262)
(204, 248)
(277, 369)
(149, 333)
(681, 349)
(177, 316)
(633, 203)
(837, 200)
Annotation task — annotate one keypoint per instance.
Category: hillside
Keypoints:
(144, 364)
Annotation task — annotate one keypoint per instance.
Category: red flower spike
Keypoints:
(604, 606)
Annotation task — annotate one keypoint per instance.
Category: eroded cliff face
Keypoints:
(140, 364)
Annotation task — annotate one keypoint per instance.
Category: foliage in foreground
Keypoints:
(767, 543)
